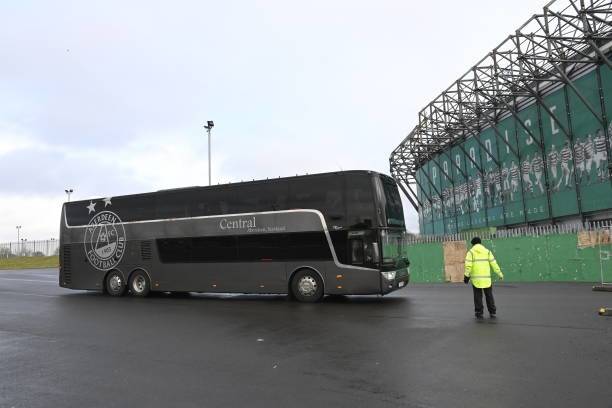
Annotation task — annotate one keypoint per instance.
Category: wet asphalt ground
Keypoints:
(419, 347)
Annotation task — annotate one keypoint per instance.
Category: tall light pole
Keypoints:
(209, 125)
(68, 192)
(18, 228)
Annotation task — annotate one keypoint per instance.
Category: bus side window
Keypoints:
(357, 255)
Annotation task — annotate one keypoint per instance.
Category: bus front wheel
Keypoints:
(307, 286)
(115, 284)
(139, 283)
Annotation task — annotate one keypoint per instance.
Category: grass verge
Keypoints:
(29, 262)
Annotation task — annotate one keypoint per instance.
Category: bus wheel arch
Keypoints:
(115, 283)
(139, 282)
(306, 284)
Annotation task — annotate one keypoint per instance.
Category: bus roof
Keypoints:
(244, 183)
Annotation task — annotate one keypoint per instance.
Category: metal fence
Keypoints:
(29, 248)
(530, 231)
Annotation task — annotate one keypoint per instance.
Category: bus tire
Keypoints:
(115, 283)
(307, 286)
(140, 285)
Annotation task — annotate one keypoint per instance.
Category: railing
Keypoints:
(529, 231)
(29, 248)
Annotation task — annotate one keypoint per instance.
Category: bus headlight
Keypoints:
(389, 275)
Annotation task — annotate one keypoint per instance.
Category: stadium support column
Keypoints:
(439, 197)
(479, 114)
(480, 174)
(477, 137)
(416, 196)
(465, 176)
(570, 138)
(453, 187)
(414, 201)
(518, 152)
(503, 198)
(427, 196)
(542, 149)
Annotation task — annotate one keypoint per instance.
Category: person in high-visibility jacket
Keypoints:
(478, 264)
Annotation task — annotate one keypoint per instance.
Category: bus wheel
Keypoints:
(139, 284)
(115, 284)
(307, 286)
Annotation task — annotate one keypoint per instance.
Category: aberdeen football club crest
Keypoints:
(104, 238)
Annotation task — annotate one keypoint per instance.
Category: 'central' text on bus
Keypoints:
(241, 223)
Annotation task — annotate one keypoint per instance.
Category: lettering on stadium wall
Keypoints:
(248, 225)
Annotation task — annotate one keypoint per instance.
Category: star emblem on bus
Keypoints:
(107, 201)
(91, 207)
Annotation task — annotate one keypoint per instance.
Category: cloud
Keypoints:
(109, 98)
(14, 138)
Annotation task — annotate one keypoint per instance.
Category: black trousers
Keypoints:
(488, 292)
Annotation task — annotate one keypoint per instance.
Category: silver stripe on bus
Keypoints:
(202, 217)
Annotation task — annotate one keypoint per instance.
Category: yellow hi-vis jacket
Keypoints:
(478, 263)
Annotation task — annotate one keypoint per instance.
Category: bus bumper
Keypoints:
(394, 280)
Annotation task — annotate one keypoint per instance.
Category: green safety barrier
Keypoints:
(545, 258)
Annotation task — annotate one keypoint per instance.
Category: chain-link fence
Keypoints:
(29, 248)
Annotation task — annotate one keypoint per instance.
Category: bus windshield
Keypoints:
(394, 249)
(393, 203)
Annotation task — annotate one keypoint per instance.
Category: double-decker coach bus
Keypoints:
(331, 233)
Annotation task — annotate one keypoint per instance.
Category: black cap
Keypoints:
(476, 240)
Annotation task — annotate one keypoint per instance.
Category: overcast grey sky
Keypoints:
(110, 97)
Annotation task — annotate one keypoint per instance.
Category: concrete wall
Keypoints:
(546, 258)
